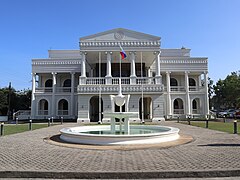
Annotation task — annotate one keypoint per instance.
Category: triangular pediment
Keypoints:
(120, 34)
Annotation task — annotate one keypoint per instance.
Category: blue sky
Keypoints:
(28, 28)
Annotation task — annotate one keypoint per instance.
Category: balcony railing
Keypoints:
(178, 88)
(134, 88)
(124, 80)
(62, 112)
(58, 89)
(63, 89)
(93, 81)
(178, 111)
(44, 89)
(42, 112)
(183, 88)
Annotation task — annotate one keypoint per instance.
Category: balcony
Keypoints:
(95, 85)
(183, 88)
(58, 90)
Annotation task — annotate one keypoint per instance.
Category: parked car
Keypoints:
(231, 113)
(222, 114)
(227, 113)
(237, 113)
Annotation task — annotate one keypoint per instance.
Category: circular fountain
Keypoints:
(119, 133)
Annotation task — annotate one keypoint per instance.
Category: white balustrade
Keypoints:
(178, 111)
(63, 89)
(42, 112)
(44, 89)
(178, 88)
(62, 112)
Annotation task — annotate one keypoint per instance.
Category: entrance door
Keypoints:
(94, 109)
(147, 108)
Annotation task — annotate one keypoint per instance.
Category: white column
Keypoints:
(206, 93)
(199, 81)
(72, 92)
(133, 68)
(33, 105)
(188, 105)
(83, 68)
(53, 94)
(149, 72)
(157, 63)
(169, 102)
(83, 65)
(109, 68)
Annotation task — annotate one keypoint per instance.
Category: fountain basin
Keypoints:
(101, 135)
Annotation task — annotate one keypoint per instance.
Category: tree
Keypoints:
(227, 92)
(3, 101)
(210, 91)
(19, 100)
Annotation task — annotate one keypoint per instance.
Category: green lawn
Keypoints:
(13, 128)
(219, 126)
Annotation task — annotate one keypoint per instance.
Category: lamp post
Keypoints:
(30, 125)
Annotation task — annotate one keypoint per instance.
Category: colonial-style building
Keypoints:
(77, 84)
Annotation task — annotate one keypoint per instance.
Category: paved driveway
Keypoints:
(211, 152)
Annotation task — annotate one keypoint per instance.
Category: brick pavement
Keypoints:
(212, 153)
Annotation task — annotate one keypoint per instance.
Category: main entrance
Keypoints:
(95, 106)
(147, 108)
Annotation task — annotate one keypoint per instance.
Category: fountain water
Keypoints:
(121, 134)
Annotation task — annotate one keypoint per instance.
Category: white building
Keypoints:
(78, 83)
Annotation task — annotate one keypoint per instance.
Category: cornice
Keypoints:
(117, 43)
(55, 62)
(188, 61)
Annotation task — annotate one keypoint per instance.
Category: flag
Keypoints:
(123, 54)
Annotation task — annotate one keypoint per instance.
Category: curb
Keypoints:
(119, 175)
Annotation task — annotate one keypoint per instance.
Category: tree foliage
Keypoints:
(19, 100)
(227, 92)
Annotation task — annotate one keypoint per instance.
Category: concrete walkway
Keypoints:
(211, 154)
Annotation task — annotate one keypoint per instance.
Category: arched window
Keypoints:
(192, 82)
(49, 83)
(173, 82)
(63, 107)
(67, 83)
(196, 106)
(178, 106)
(43, 107)
(94, 108)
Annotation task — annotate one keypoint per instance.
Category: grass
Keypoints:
(13, 128)
(219, 126)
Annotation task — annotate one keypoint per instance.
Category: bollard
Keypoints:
(224, 118)
(189, 122)
(178, 118)
(52, 120)
(2, 130)
(235, 127)
(16, 121)
(61, 120)
(30, 125)
(206, 123)
(49, 122)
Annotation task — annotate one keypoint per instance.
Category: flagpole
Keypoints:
(99, 81)
(142, 89)
(120, 79)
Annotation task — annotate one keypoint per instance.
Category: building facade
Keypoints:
(77, 84)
